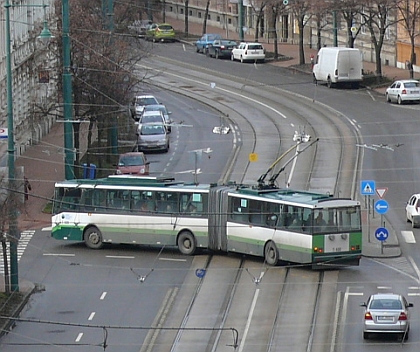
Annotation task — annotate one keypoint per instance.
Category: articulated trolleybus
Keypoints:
(276, 224)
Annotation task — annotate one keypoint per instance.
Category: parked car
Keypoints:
(160, 32)
(249, 52)
(403, 90)
(338, 65)
(162, 108)
(151, 117)
(140, 27)
(221, 48)
(207, 39)
(153, 137)
(386, 313)
(138, 104)
(133, 163)
(412, 210)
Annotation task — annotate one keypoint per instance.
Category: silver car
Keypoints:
(153, 137)
(403, 91)
(386, 313)
(162, 108)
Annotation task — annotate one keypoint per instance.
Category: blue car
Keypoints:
(207, 39)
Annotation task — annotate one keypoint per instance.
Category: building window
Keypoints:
(229, 20)
(199, 14)
(218, 18)
(181, 11)
(208, 17)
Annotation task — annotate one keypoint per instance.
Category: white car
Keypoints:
(403, 90)
(413, 210)
(249, 52)
(138, 104)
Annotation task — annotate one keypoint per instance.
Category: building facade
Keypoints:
(34, 83)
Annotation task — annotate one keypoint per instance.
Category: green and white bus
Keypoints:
(276, 224)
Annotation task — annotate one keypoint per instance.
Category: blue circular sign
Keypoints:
(381, 206)
(381, 234)
(200, 273)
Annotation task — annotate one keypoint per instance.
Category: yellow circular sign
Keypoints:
(253, 157)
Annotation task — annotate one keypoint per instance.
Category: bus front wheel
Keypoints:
(186, 243)
(271, 253)
(93, 238)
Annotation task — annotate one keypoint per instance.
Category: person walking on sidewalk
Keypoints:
(27, 187)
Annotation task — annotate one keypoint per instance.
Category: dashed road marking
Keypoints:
(408, 236)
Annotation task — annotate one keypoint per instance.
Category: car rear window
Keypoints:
(166, 27)
(411, 85)
(255, 47)
(386, 304)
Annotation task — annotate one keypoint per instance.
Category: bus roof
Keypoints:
(127, 181)
(293, 196)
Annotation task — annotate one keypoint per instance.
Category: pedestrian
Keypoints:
(27, 187)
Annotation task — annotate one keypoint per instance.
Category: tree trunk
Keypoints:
(6, 266)
(186, 18)
(206, 14)
(301, 48)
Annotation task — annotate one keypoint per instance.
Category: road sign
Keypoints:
(381, 234)
(200, 273)
(367, 188)
(381, 206)
(381, 191)
(285, 2)
(3, 133)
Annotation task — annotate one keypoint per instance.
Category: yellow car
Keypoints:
(160, 32)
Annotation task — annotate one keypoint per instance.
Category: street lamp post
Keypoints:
(67, 96)
(13, 231)
(12, 196)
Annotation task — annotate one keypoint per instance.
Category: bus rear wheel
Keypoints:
(271, 253)
(93, 238)
(186, 243)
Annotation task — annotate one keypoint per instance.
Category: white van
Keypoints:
(338, 65)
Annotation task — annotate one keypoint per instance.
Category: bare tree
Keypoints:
(350, 11)
(103, 61)
(409, 10)
(376, 16)
(302, 12)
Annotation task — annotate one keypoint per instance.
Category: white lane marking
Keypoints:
(173, 260)
(414, 287)
(79, 337)
(49, 228)
(413, 294)
(119, 257)
(408, 236)
(248, 323)
(355, 293)
(91, 316)
(103, 295)
(384, 287)
(59, 254)
(413, 263)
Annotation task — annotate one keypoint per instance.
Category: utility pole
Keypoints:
(241, 20)
(109, 18)
(67, 95)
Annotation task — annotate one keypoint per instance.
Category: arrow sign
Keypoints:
(3, 133)
(381, 191)
(381, 234)
(381, 206)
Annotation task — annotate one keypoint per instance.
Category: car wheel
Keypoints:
(186, 243)
(388, 99)
(93, 238)
(271, 253)
(208, 53)
(154, 40)
(413, 225)
(399, 100)
(232, 57)
(216, 55)
(242, 59)
(197, 50)
(365, 335)
(329, 83)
